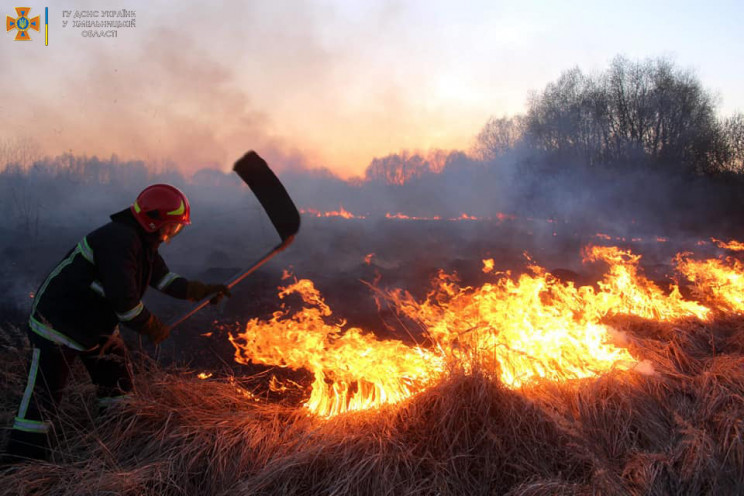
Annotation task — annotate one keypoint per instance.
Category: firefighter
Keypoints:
(78, 308)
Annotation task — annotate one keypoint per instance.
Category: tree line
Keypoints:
(642, 138)
(647, 113)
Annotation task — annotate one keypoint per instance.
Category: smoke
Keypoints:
(162, 92)
(624, 200)
(197, 85)
(165, 102)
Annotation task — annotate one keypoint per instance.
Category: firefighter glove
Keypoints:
(197, 290)
(155, 329)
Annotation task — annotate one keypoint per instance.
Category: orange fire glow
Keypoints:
(344, 214)
(341, 212)
(731, 245)
(353, 370)
(463, 216)
(400, 216)
(719, 283)
(487, 265)
(522, 328)
(625, 291)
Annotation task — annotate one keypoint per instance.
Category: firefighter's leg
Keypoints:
(109, 369)
(30, 436)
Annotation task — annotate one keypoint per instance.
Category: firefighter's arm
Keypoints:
(178, 286)
(116, 264)
(166, 281)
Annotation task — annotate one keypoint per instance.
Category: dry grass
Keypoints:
(678, 431)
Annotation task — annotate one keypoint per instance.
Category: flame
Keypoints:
(341, 212)
(528, 328)
(278, 386)
(204, 375)
(487, 265)
(499, 217)
(520, 328)
(465, 216)
(352, 370)
(401, 216)
(625, 291)
(345, 214)
(368, 258)
(731, 245)
(717, 282)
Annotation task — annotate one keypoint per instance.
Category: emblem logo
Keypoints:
(22, 23)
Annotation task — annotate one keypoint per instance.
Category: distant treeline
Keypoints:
(646, 114)
(69, 188)
(640, 143)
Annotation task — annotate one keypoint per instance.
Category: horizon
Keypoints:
(329, 85)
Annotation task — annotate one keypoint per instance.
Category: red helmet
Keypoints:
(161, 205)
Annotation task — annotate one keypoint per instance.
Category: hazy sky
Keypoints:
(330, 83)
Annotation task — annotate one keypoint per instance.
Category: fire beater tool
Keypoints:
(277, 204)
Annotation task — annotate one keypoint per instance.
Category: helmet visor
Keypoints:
(170, 230)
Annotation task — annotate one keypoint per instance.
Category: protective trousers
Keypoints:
(32, 435)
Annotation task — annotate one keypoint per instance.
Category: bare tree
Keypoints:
(397, 168)
(498, 136)
(732, 129)
(19, 151)
(25, 203)
(21, 201)
(647, 112)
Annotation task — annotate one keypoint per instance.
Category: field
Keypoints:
(670, 422)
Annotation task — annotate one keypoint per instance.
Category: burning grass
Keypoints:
(476, 415)
(521, 328)
(677, 431)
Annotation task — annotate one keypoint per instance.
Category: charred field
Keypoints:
(668, 423)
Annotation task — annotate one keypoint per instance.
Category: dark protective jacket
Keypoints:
(100, 283)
